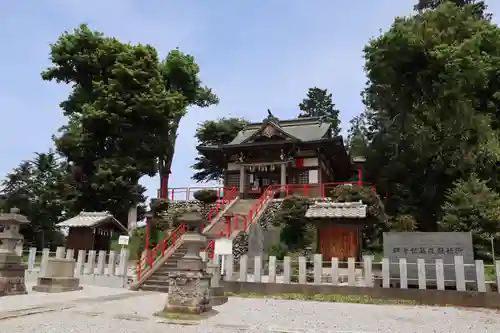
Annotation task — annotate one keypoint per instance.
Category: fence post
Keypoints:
(386, 273)
(272, 269)
(60, 252)
(498, 274)
(302, 270)
(123, 270)
(459, 273)
(101, 262)
(287, 270)
(70, 254)
(335, 271)
(243, 268)
(89, 268)
(111, 263)
(367, 268)
(439, 274)
(44, 262)
(80, 262)
(318, 268)
(351, 272)
(229, 267)
(481, 285)
(257, 269)
(403, 274)
(422, 279)
(32, 258)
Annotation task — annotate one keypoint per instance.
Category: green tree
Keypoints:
(432, 96)
(214, 133)
(472, 206)
(357, 140)
(478, 7)
(123, 114)
(319, 103)
(35, 188)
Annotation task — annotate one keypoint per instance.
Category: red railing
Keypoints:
(230, 194)
(159, 250)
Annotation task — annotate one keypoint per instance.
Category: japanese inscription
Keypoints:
(455, 251)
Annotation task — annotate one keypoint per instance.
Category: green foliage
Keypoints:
(214, 133)
(432, 108)
(279, 251)
(357, 140)
(478, 7)
(404, 222)
(123, 113)
(293, 223)
(35, 188)
(206, 196)
(319, 103)
(376, 219)
(472, 206)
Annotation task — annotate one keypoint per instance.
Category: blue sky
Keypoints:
(254, 54)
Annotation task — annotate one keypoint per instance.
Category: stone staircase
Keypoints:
(241, 208)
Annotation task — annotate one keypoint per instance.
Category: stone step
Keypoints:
(153, 287)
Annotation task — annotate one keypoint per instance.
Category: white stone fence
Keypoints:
(107, 269)
(368, 273)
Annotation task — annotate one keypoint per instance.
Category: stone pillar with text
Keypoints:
(11, 267)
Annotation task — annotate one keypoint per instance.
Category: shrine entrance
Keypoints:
(259, 180)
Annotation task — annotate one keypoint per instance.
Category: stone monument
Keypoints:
(189, 284)
(58, 277)
(11, 268)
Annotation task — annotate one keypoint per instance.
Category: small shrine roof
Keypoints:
(90, 220)
(337, 210)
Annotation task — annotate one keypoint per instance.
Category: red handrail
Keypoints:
(149, 258)
(229, 196)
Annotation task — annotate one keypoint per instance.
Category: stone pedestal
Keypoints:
(189, 283)
(11, 269)
(59, 277)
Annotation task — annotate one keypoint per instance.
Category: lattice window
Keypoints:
(303, 177)
(233, 180)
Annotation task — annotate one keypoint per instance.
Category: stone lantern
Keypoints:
(189, 283)
(11, 268)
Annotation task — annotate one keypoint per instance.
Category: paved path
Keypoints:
(103, 310)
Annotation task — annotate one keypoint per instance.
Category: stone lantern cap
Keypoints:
(13, 216)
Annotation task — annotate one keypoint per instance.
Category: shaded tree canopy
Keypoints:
(319, 103)
(432, 101)
(123, 113)
(214, 133)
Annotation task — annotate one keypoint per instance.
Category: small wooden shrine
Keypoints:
(91, 231)
(339, 225)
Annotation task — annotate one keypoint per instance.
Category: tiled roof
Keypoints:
(14, 216)
(337, 210)
(305, 129)
(90, 219)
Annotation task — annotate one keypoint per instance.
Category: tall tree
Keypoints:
(35, 188)
(478, 7)
(319, 103)
(433, 100)
(214, 133)
(357, 140)
(123, 113)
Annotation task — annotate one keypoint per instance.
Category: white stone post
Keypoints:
(101, 262)
(386, 273)
(70, 254)
(60, 251)
(32, 258)
(287, 270)
(89, 268)
(243, 268)
(459, 273)
(80, 263)
(498, 274)
(272, 269)
(403, 273)
(481, 285)
(422, 279)
(351, 272)
(318, 268)
(302, 270)
(439, 274)
(257, 269)
(367, 269)
(111, 263)
(335, 271)
(44, 262)
(229, 267)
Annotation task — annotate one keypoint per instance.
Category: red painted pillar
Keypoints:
(146, 240)
(360, 177)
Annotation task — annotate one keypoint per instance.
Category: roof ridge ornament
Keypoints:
(271, 118)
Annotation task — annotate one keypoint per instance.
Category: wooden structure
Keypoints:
(298, 151)
(339, 225)
(91, 231)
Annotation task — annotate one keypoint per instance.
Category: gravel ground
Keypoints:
(133, 314)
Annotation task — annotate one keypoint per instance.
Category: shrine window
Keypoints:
(303, 177)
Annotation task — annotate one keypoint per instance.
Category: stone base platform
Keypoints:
(57, 284)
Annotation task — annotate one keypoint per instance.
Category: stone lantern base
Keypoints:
(59, 277)
(11, 274)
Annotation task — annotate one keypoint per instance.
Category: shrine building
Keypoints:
(302, 155)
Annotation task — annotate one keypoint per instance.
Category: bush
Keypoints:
(279, 251)
(206, 196)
